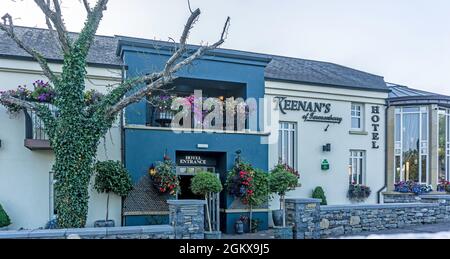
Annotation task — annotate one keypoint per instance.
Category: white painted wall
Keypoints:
(24, 174)
(311, 138)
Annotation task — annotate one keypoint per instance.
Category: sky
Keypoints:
(406, 41)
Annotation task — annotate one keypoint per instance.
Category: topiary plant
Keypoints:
(205, 184)
(4, 218)
(261, 191)
(112, 177)
(319, 193)
(281, 181)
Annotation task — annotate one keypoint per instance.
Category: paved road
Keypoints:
(421, 232)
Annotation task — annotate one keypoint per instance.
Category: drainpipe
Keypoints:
(386, 153)
(122, 148)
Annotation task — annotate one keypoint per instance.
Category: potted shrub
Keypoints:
(239, 225)
(281, 181)
(359, 193)
(4, 219)
(319, 193)
(205, 184)
(111, 177)
(259, 197)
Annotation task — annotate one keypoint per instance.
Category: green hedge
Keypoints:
(4, 219)
(319, 193)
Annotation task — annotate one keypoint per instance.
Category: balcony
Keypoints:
(35, 136)
(236, 119)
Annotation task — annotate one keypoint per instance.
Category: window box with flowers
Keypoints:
(444, 186)
(359, 193)
(411, 187)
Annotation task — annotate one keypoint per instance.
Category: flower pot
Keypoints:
(216, 235)
(277, 216)
(239, 227)
(283, 233)
(104, 224)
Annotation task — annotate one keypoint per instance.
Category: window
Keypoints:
(357, 116)
(52, 204)
(444, 145)
(411, 145)
(287, 143)
(357, 167)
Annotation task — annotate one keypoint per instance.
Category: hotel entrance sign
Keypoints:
(196, 160)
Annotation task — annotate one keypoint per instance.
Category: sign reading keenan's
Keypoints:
(315, 111)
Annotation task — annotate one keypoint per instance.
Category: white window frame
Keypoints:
(355, 115)
(356, 155)
(447, 143)
(291, 127)
(423, 146)
(52, 205)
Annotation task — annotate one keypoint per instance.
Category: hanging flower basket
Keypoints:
(164, 178)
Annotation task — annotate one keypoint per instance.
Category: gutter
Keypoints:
(122, 148)
(386, 154)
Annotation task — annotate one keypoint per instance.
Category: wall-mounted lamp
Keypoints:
(327, 148)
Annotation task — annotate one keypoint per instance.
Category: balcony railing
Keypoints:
(162, 118)
(36, 137)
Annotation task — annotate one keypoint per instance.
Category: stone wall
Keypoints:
(187, 221)
(188, 218)
(148, 232)
(393, 197)
(335, 221)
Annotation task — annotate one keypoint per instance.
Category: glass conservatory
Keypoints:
(418, 137)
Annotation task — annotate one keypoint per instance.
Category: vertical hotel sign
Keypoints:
(375, 127)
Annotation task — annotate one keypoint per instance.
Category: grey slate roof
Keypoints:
(403, 95)
(401, 91)
(103, 51)
(322, 73)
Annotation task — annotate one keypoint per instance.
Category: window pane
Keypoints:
(411, 109)
(411, 141)
(424, 169)
(425, 127)
(356, 123)
(398, 125)
(442, 146)
(398, 169)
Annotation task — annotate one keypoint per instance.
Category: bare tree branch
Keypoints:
(8, 28)
(56, 18)
(182, 45)
(87, 6)
(168, 75)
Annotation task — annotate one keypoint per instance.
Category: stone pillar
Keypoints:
(434, 145)
(188, 218)
(304, 215)
(390, 160)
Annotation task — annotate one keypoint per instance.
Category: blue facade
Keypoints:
(143, 146)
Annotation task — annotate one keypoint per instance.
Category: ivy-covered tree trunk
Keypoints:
(77, 128)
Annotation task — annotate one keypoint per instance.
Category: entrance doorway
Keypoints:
(185, 175)
(188, 165)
